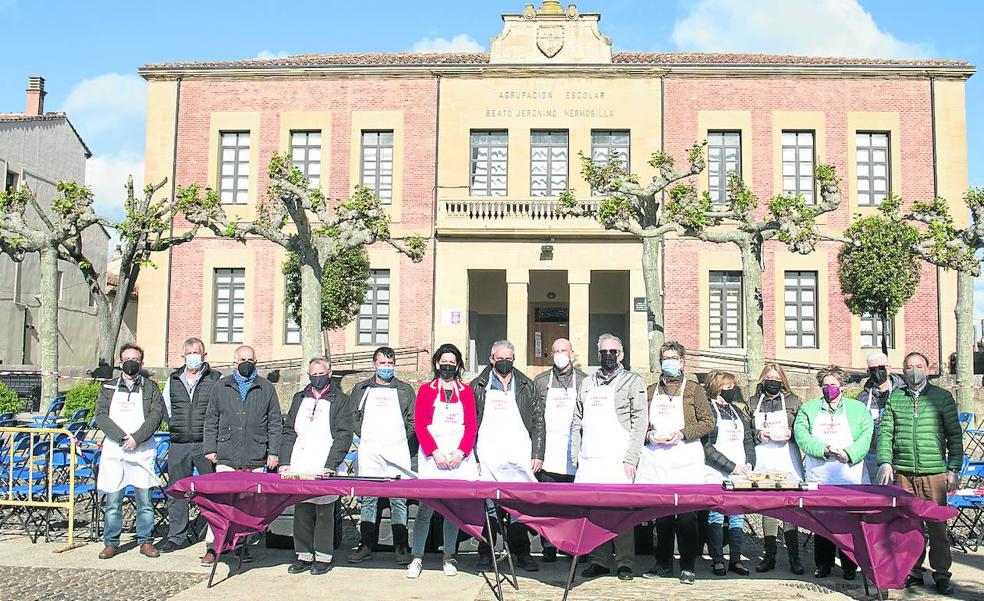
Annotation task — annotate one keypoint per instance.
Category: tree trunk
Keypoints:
(751, 290)
(106, 346)
(654, 295)
(965, 339)
(48, 323)
(885, 331)
(311, 333)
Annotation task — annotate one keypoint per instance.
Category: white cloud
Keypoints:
(109, 104)
(265, 55)
(802, 27)
(106, 175)
(459, 43)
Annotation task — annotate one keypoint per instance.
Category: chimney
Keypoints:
(35, 95)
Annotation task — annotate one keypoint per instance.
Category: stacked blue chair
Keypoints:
(969, 508)
(50, 418)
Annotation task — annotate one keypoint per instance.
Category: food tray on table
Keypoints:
(300, 476)
(766, 481)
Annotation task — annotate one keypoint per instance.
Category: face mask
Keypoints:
(503, 366)
(729, 394)
(609, 362)
(879, 374)
(246, 368)
(320, 382)
(914, 376)
(385, 373)
(561, 360)
(446, 371)
(772, 387)
(131, 368)
(670, 367)
(830, 391)
(193, 361)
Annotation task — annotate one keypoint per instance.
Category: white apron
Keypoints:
(678, 463)
(774, 456)
(504, 447)
(558, 415)
(448, 428)
(384, 434)
(834, 430)
(601, 457)
(119, 468)
(730, 443)
(314, 440)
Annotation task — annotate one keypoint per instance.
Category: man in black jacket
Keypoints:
(243, 422)
(317, 436)
(186, 395)
(511, 437)
(383, 417)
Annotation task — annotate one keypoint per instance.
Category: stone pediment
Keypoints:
(550, 35)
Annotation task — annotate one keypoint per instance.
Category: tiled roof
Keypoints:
(26, 118)
(480, 58)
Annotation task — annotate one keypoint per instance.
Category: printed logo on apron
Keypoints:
(730, 442)
(558, 415)
(314, 440)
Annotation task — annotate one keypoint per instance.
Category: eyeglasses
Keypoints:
(604, 352)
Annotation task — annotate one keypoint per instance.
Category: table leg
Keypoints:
(508, 552)
(211, 576)
(570, 577)
(497, 587)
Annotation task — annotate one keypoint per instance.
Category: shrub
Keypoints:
(82, 396)
(9, 401)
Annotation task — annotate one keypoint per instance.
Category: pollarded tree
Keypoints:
(144, 230)
(304, 222)
(70, 214)
(789, 219)
(632, 207)
(344, 283)
(878, 267)
(947, 246)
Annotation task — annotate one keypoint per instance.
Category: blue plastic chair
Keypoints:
(50, 418)
(973, 435)
(79, 415)
(7, 416)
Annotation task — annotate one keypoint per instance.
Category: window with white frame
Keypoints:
(548, 162)
(305, 154)
(800, 302)
(489, 162)
(798, 163)
(377, 164)
(723, 158)
(607, 144)
(725, 304)
(374, 313)
(871, 332)
(872, 155)
(234, 167)
(230, 306)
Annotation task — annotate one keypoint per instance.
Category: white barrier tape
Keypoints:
(498, 494)
(676, 499)
(801, 502)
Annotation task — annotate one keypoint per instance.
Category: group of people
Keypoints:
(562, 426)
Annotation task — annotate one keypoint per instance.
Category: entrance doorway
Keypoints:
(549, 316)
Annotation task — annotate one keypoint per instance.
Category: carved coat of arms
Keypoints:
(550, 39)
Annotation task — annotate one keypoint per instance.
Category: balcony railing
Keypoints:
(513, 215)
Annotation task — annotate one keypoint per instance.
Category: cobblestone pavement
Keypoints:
(66, 584)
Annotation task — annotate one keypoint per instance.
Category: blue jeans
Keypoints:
(734, 521)
(113, 517)
(398, 510)
(421, 528)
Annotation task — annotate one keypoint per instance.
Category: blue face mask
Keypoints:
(670, 367)
(384, 373)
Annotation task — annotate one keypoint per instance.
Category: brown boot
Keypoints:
(149, 550)
(108, 553)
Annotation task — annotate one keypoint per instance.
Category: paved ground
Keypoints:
(34, 572)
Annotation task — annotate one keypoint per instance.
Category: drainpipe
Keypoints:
(170, 250)
(437, 153)
(936, 194)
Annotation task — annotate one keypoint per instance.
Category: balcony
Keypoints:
(515, 218)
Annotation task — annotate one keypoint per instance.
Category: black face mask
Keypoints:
(609, 361)
(446, 371)
(771, 387)
(879, 374)
(131, 368)
(729, 394)
(503, 366)
(246, 368)
(319, 382)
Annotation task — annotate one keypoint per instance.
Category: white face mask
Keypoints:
(561, 360)
(193, 361)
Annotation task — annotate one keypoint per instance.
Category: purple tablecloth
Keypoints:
(878, 526)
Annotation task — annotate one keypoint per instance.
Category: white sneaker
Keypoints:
(414, 568)
(450, 567)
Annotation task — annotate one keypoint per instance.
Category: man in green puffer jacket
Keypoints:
(920, 449)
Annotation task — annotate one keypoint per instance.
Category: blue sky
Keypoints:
(89, 51)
